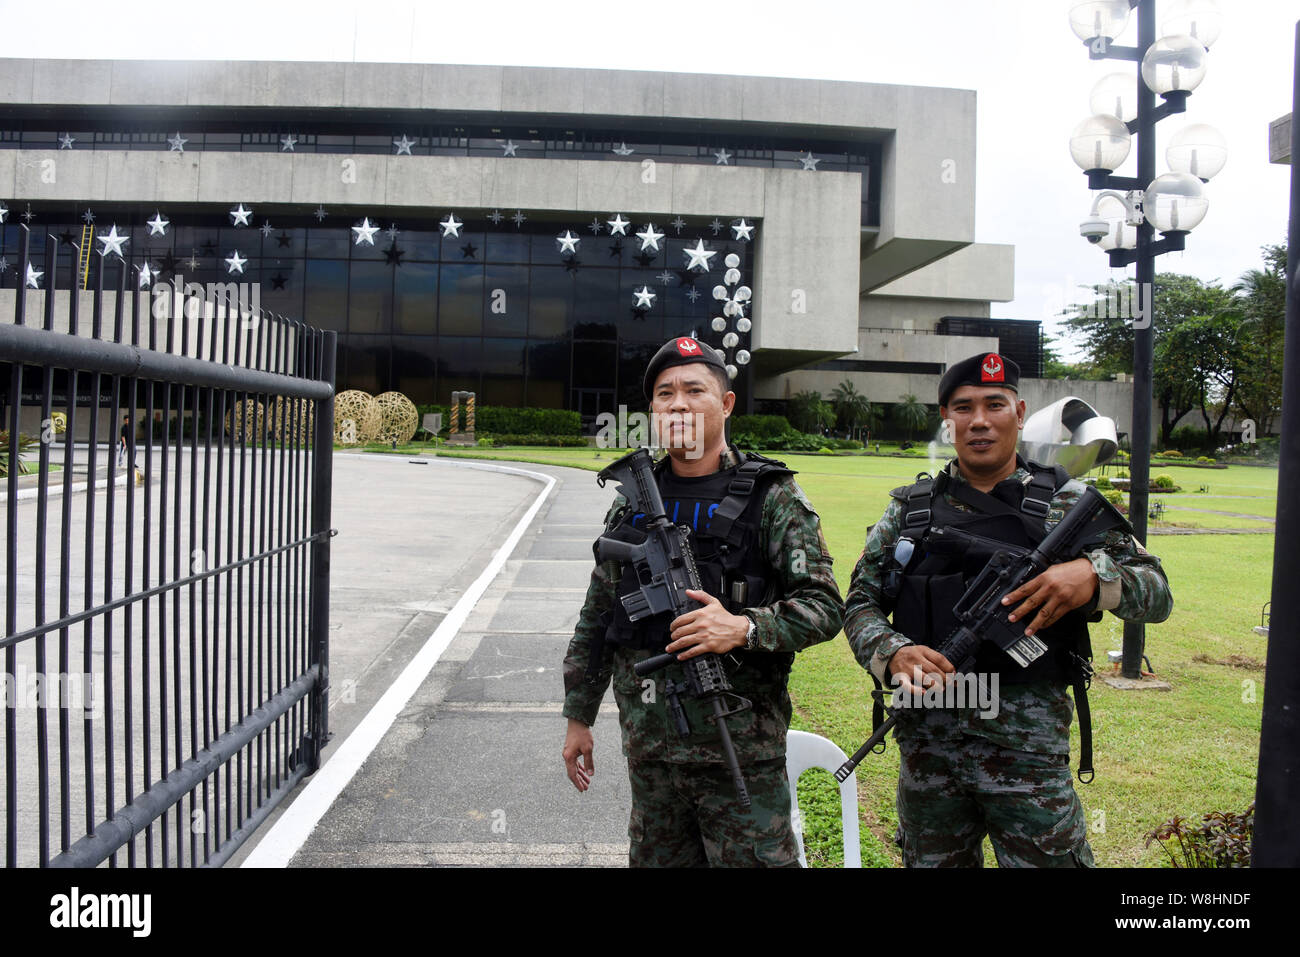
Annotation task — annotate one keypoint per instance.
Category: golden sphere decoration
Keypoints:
(246, 420)
(293, 420)
(356, 417)
(398, 417)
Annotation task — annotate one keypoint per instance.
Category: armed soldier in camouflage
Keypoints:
(1001, 770)
(768, 592)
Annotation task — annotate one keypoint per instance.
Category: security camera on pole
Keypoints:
(1125, 217)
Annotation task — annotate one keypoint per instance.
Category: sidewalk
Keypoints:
(470, 771)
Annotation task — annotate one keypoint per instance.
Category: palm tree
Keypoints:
(911, 414)
(808, 413)
(851, 406)
(873, 418)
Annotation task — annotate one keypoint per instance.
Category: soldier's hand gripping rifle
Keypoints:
(981, 616)
(665, 567)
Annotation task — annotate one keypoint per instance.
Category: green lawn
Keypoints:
(1187, 751)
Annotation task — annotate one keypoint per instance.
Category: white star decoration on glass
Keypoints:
(721, 157)
(113, 242)
(692, 294)
(4, 212)
(365, 233)
(809, 161)
(320, 214)
(496, 217)
(678, 224)
(66, 141)
(392, 231)
(193, 262)
(28, 215)
(287, 143)
(176, 144)
(451, 226)
(147, 275)
(716, 226)
(596, 226)
(403, 146)
(508, 148)
(239, 215)
(87, 217)
(699, 256)
(158, 225)
(665, 277)
(235, 263)
(568, 242)
(644, 297)
(622, 149)
(519, 217)
(618, 225)
(34, 277)
(266, 229)
(4, 265)
(649, 238)
(743, 230)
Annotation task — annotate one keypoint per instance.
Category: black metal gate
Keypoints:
(166, 595)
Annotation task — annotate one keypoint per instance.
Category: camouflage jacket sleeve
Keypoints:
(582, 697)
(865, 621)
(1131, 583)
(810, 609)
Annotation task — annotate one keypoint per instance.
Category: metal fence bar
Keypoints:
(201, 596)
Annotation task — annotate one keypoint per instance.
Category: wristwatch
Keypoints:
(749, 634)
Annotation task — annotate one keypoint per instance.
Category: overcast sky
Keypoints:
(1031, 75)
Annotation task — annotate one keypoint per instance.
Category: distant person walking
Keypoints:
(123, 436)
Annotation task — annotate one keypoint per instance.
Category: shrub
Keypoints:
(1205, 459)
(790, 441)
(1222, 839)
(1188, 438)
(1121, 474)
(842, 443)
(763, 426)
(554, 441)
(1114, 496)
(1102, 483)
(506, 420)
(1170, 454)
(1164, 481)
(825, 451)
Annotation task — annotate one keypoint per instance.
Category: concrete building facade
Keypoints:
(528, 234)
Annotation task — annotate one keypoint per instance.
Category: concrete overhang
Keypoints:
(1279, 140)
(984, 271)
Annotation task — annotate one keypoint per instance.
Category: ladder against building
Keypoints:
(83, 261)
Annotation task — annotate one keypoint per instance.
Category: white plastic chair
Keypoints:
(804, 751)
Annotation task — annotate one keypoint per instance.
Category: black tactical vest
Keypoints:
(727, 543)
(938, 573)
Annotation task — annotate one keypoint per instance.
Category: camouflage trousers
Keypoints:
(687, 815)
(953, 791)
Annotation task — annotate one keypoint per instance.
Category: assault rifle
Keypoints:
(981, 616)
(665, 567)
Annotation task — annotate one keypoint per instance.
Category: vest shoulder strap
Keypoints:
(918, 495)
(1044, 482)
(752, 474)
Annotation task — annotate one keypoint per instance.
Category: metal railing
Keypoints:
(166, 602)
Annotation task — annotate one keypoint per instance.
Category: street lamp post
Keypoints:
(1173, 204)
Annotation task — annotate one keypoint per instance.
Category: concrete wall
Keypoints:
(813, 259)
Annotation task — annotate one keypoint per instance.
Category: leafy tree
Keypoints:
(1181, 361)
(1261, 299)
(911, 414)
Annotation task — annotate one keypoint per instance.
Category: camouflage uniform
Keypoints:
(684, 808)
(962, 774)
